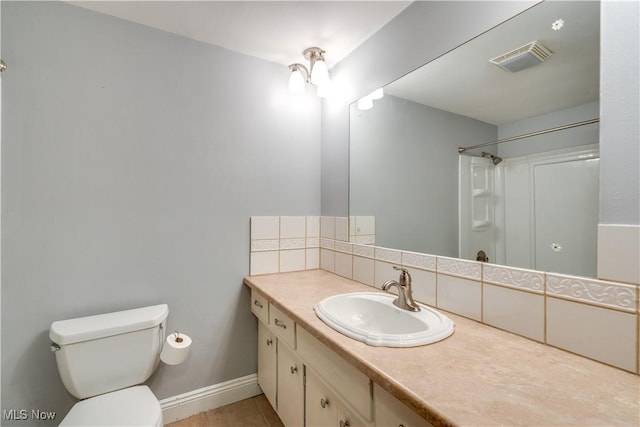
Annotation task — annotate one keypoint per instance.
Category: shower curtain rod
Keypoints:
(527, 135)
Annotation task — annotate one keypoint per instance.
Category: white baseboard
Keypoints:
(204, 399)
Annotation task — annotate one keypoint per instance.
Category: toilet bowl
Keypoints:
(103, 360)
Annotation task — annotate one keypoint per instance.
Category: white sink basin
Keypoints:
(372, 318)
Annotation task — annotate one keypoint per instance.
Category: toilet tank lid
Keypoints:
(103, 325)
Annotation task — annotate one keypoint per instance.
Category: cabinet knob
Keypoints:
(324, 402)
(269, 341)
(258, 303)
(294, 369)
(280, 324)
(344, 423)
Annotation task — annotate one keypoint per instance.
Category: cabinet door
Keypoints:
(290, 406)
(321, 405)
(267, 363)
(348, 418)
(390, 412)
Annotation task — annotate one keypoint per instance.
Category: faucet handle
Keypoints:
(405, 277)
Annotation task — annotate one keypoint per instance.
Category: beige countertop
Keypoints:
(479, 376)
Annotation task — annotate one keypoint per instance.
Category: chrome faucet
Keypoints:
(405, 294)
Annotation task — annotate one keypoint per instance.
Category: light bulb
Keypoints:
(320, 73)
(377, 94)
(365, 103)
(296, 82)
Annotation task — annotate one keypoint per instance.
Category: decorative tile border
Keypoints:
(597, 292)
(264, 245)
(459, 267)
(313, 242)
(327, 243)
(414, 259)
(344, 247)
(388, 255)
(513, 277)
(292, 243)
(364, 251)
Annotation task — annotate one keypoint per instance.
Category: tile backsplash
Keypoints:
(286, 243)
(597, 319)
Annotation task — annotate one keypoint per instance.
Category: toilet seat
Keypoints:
(133, 406)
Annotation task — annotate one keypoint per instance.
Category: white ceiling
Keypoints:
(277, 31)
(464, 82)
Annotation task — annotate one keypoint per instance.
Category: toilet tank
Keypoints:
(107, 352)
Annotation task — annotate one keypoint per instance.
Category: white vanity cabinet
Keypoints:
(290, 387)
(280, 372)
(321, 404)
(259, 306)
(267, 363)
(280, 376)
(390, 412)
(350, 389)
(323, 408)
(309, 384)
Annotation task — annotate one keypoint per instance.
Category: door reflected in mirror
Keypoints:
(531, 202)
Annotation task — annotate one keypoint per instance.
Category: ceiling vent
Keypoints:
(523, 57)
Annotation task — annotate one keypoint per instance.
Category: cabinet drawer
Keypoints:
(283, 326)
(352, 385)
(259, 306)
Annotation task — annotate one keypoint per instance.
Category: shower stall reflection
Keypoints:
(535, 211)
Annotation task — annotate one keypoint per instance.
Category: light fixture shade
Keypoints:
(365, 103)
(377, 94)
(296, 82)
(320, 73)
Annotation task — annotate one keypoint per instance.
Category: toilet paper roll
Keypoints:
(175, 349)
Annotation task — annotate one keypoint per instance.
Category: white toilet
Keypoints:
(103, 359)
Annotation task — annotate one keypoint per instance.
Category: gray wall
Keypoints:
(422, 32)
(619, 112)
(131, 162)
(404, 171)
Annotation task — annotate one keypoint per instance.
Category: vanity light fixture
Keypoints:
(317, 73)
(366, 102)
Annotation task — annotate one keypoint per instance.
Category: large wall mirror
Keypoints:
(531, 202)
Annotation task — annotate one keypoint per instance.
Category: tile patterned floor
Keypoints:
(254, 412)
